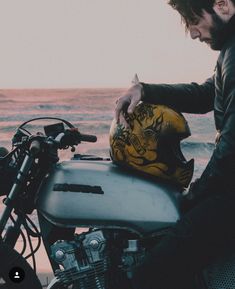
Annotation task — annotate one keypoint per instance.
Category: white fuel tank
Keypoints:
(100, 194)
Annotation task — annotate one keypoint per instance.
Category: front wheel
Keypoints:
(9, 258)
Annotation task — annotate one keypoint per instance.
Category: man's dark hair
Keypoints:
(191, 9)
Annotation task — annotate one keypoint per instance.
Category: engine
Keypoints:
(96, 260)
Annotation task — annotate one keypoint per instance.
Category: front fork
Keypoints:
(12, 197)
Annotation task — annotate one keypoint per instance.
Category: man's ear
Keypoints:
(222, 6)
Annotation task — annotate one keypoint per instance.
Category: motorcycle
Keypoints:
(125, 214)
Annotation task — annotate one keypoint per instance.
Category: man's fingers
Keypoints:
(118, 110)
(128, 102)
(121, 106)
(132, 105)
(123, 121)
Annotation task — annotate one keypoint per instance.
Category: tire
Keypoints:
(10, 258)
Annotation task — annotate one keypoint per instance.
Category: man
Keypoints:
(211, 199)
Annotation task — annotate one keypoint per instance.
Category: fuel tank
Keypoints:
(84, 193)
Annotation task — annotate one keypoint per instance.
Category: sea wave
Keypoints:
(198, 146)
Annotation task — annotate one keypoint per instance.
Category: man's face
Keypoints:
(207, 28)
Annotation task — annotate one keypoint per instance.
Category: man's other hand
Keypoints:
(197, 191)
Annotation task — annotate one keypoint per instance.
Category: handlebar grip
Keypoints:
(35, 147)
(88, 137)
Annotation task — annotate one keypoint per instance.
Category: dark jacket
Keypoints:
(218, 94)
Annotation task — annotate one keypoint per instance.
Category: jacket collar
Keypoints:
(227, 32)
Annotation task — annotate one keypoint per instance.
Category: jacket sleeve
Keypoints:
(189, 98)
(220, 172)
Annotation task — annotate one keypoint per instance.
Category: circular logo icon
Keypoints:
(16, 274)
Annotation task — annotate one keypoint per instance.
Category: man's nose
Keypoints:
(194, 33)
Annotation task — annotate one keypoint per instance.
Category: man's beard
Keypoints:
(217, 32)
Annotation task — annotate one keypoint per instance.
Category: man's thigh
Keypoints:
(190, 245)
(212, 220)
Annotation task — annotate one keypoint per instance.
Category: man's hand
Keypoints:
(196, 193)
(127, 103)
(189, 197)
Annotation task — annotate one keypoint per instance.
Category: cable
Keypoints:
(32, 253)
(35, 250)
(24, 129)
(32, 233)
(36, 234)
(29, 230)
(24, 242)
(33, 225)
(23, 237)
(40, 118)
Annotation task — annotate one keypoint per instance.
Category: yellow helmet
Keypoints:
(151, 144)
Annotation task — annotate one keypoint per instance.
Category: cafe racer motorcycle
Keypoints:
(124, 214)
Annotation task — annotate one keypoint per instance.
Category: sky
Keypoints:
(96, 43)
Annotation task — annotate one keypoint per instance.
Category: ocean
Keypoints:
(92, 111)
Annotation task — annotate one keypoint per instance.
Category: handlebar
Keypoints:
(81, 137)
(63, 140)
(88, 137)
